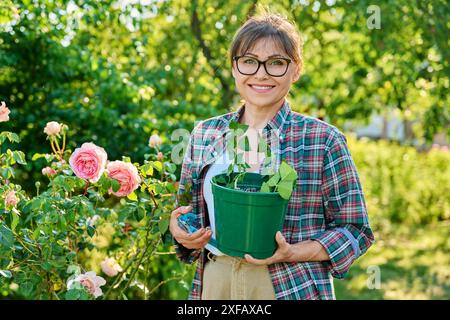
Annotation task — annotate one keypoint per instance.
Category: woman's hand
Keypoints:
(196, 240)
(284, 253)
(304, 251)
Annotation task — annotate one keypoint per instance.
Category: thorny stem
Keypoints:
(85, 189)
(133, 273)
(130, 263)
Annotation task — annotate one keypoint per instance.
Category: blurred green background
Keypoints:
(117, 71)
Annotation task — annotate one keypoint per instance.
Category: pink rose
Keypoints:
(127, 175)
(88, 162)
(4, 112)
(154, 140)
(53, 128)
(47, 171)
(90, 281)
(11, 199)
(110, 267)
(160, 156)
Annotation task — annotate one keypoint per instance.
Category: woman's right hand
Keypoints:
(196, 240)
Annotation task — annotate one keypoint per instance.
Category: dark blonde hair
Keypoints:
(268, 26)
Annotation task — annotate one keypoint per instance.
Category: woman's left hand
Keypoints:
(284, 253)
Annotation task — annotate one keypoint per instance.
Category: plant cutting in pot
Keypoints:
(250, 207)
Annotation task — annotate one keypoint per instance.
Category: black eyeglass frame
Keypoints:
(236, 58)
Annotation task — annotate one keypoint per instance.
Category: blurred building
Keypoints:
(391, 126)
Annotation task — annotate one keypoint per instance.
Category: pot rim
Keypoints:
(254, 193)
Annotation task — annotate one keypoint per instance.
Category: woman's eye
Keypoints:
(277, 62)
(249, 61)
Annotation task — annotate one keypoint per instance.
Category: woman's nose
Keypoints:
(261, 74)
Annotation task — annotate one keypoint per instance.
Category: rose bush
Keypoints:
(116, 210)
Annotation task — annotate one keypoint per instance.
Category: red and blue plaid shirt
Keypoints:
(327, 203)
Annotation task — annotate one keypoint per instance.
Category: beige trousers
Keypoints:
(232, 278)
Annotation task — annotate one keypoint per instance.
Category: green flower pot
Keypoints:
(247, 221)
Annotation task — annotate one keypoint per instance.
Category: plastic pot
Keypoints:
(247, 221)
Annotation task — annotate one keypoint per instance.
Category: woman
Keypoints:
(326, 226)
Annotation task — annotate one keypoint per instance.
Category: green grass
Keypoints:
(414, 263)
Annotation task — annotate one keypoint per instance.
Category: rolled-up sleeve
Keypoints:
(348, 234)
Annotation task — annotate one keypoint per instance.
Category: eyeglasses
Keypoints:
(275, 67)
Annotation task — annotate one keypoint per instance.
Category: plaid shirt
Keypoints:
(327, 203)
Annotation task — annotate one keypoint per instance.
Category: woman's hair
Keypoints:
(268, 26)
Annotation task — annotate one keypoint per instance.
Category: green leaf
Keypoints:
(36, 204)
(126, 159)
(230, 169)
(140, 213)
(27, 288)
(238, 126)
(62, 223)
(285, 189)
(157, 165)
(246, 144)
(262, 145)
(72, 294)
(36, 233)
(285, 169)
(147, 169)
(38, 156)
(7, 172)
(19, 156)
(132, 196)
(265, 187)
(90, 231)
(84, 295)
(171, 167)
(272, 182)
(240, 158)
(46, 266)
(6, 273)
(115, 185)
(6, 237)
(14, 220)
(291, 177)
(220, 179)
(163, 225)
(12, 137)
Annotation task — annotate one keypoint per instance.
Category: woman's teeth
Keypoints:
(261, 89)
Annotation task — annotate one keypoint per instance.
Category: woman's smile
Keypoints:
(261, 88)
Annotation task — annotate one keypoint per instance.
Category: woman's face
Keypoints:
(261, 89)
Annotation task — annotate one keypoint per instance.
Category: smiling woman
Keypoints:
(326, 225)
(276, 44)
